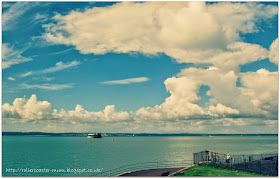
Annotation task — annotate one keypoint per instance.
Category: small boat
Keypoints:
(96, 135)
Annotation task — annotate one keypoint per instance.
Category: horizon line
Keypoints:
(145, 133)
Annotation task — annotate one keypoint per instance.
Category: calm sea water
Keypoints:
(39, 152)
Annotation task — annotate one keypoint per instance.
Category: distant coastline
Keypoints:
(123, 134)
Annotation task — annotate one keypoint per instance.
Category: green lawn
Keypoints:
(208, 170)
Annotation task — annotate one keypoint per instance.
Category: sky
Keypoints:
(140, 67)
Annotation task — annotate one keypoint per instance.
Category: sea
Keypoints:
(80, 156)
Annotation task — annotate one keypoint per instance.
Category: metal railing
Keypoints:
(145, 166)
(266, 163)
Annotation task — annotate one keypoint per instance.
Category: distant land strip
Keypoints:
(123, 134)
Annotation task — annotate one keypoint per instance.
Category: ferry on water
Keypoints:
(96, 135)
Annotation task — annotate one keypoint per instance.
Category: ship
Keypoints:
(96, 135)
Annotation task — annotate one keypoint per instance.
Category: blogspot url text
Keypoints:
(48, 170)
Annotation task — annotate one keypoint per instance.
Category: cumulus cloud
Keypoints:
(222, 109)
(59, 66)
(126, 81)
(257, 97)
(47, 86)
(222, 88)
(80, 115)
(186, 31)
(80, 120)
(27, 110)
(237, 54)
(274, 56)
(32, 110)
(262, 87)
(11, 56)
(182, 103)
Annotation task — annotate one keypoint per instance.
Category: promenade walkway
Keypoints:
(151, 172)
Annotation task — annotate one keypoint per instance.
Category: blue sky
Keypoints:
(69, 73)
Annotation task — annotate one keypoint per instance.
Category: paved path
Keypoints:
(152, 172)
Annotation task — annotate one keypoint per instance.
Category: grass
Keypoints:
(214, 171)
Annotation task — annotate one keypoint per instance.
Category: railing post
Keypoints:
(276, 167)
(244, 163)
(260, 167)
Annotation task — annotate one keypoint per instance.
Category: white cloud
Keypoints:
(11, 56)
(222, 109)
(40, 18)
(182, 103)
(274, 50)
(33, 110)
(11, 15)
(29, 110)
(237, 54)
(60, 52)
(58, 67)
(11, 78)
(26, 74)
(80, 115)
(110, 120)
(262, 87)
(231, 122)
(223, 89)
(186, 31)
(126, 81)
(43, 78)
(233, 55)
(227, 99)
(258, 98)
(47, 86)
